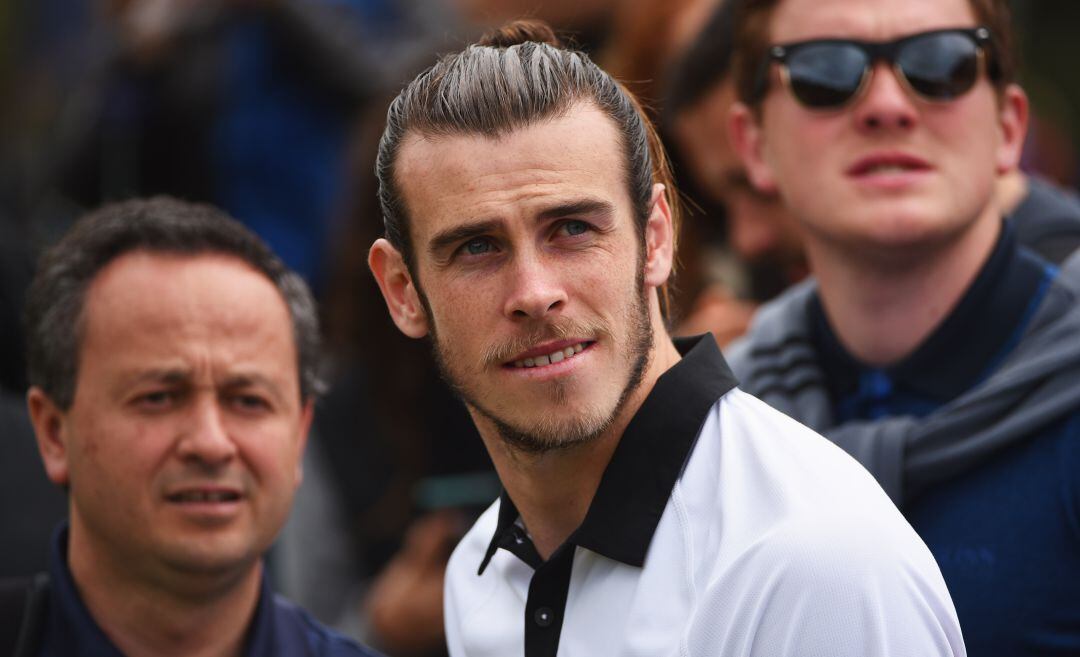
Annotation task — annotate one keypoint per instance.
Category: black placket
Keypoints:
(632, 494)
(546, 604)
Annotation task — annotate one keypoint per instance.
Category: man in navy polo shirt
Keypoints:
(931, 345)
(172, 369)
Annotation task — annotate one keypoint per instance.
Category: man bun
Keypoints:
(518, 32)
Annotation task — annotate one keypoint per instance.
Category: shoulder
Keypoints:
(316, 639)
(774, 446)
(776, 485)
(1048, 220)
(828, 582)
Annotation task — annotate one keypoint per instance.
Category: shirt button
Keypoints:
(544, 616)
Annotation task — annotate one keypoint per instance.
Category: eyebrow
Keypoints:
(582, 207)
(588, 206)
(166, 375)
(447, 238)
(178, 376)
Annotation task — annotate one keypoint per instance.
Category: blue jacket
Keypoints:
(976, 436)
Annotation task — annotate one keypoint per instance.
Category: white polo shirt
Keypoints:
(720, 527)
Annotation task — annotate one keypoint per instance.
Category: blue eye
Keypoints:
(477, 246)
(575, 227)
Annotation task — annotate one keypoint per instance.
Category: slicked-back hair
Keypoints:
(753, 38)
(513, 78)
(54, 312)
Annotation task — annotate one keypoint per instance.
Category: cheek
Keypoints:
(112, 441)
(271, 451)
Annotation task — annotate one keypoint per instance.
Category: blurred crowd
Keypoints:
(272, 110)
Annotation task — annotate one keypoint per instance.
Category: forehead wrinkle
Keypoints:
(510, 202)
(166, 319)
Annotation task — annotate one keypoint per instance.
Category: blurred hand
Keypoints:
(405, 604)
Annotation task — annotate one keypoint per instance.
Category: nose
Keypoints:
(535, 288)
(886, 105)
(205, 438)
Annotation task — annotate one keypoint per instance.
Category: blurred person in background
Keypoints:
(931, 344)
(173, 369)
(249, 104)
(244, 103)
(761, 232)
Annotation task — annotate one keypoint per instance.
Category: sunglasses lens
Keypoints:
(940, 66)
(824, 75)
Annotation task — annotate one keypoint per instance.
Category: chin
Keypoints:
(561, 429)
(211, 557)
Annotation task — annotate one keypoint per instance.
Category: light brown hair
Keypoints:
(515, 77)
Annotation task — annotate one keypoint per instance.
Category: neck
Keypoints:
(186, 614)
(553, 491)
(883, 309)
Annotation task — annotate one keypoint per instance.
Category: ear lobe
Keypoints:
(50, 431)
(1013, 122)
(398, 290)
(659, 239)
(748, 140)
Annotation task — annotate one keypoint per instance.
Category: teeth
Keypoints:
(553, 357)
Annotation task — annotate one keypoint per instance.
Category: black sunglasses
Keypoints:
(830, 73)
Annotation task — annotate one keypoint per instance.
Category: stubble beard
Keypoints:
(552, 432)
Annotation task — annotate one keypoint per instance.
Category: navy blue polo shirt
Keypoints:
(279, 628)
(1005, 532)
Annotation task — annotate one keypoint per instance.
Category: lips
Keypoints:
(887, 164)
(204, 495)
(549, 353)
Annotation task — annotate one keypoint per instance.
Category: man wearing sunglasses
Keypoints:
(930, 345)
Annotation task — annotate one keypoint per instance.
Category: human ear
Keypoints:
(307, 412)
(50, 431)
(1012, 122)
(398, 289)
(659, 239)
(748, 140)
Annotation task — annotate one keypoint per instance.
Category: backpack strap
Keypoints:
(23, 602)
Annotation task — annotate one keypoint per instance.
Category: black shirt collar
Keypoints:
(649, 458)
(967, 345)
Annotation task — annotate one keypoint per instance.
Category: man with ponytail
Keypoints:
(649, 506)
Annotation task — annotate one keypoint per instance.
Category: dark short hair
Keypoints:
(753, 38)
(514, 77)
(704, 65)
(54, 306)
